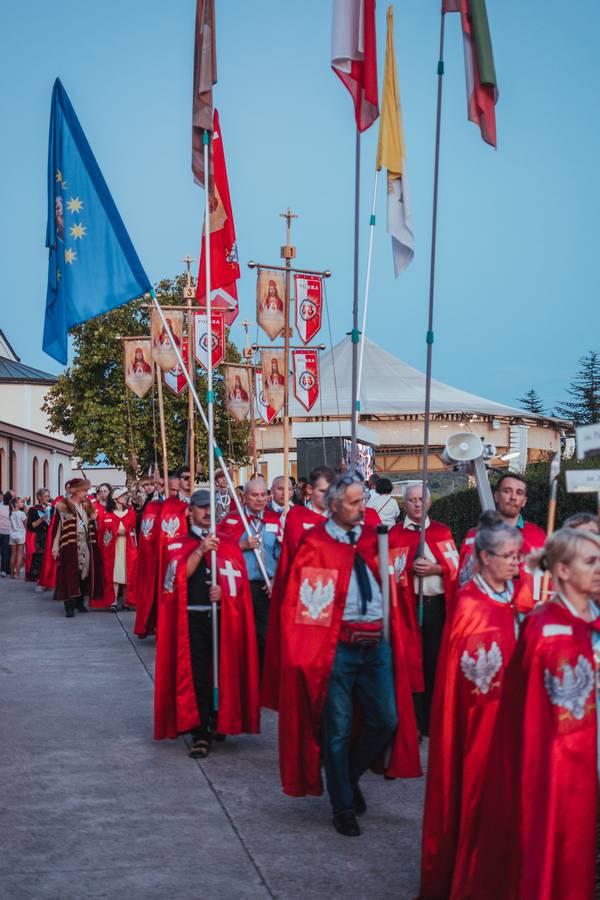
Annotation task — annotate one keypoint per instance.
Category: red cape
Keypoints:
(145, 583)
(47, 577)
(528, 585)
(175, 709)
(108, 531)
(299, 520)
(308, 647)
(464, 713)
(538, 819)
(404, 545)
(232, 526)
(372, 517)
(172, 524)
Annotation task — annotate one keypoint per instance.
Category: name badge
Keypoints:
(272, 526)
(555, 630)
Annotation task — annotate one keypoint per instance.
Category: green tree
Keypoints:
(91, 402)
(584, 407)
(532, 402)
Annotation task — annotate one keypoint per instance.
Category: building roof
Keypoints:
(391, 387)
(15, 372)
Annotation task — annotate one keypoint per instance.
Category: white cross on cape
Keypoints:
(230, 574)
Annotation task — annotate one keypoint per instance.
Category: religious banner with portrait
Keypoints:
(309, 305)
(237, 391)
(139, 370)
(174, 378)
(162, 350)
(272, 364)
(263, 410)
(305, 365)
(201, 338)
(270, 295)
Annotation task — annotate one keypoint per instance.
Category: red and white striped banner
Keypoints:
(174, 378)
(201, 338)
(306, 377)
(309, 305)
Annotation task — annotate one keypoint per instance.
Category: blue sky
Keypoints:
(517, 274)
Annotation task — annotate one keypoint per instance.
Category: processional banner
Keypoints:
(139, 371)
(309, 305)
(237, 391)
(174, 378)
(270, 294)
(272, 364)
(162, 350)
(201, 338)
(306, 377)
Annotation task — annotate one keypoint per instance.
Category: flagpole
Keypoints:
(248, 353)
(367, 287)
(161, 419)
(188, 294)
(210, 406)
(288, 253)
(551, 520)
(355, 332)
(215, 447)
(429, 336)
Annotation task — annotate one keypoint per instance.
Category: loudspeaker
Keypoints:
(312, 452)
(463, 446)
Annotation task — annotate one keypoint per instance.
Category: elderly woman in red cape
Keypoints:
(74, 542)
(183, 683)
(333, 649)
(119, 548)
(477, 648)
(538, 819)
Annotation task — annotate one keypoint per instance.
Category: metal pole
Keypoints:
(189, 294)
(429, 337)
(161, 419)
(383, 552)
(215, 447)
(355, 333)
(287, 253)
(367, 287)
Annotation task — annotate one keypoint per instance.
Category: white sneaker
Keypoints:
(38, 588)
(2, 574)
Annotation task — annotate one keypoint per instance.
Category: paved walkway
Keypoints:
(91, 807)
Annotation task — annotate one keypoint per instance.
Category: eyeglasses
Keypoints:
(184, 477)
(508, 557)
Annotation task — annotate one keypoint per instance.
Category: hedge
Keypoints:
(461, 510)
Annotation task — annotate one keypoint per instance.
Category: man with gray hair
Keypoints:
(437, 566)
(333, 653)
(263, 536)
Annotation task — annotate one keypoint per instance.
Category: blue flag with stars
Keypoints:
(93, 266)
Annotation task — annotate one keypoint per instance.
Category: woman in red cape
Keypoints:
(175, 706)
(538, 819)
(308, 648)
(38, 519)
(117, 538)
(478, 645)
(47, 579)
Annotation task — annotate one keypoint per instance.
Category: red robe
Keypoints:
(172, 524)
(299, 520)
(47, 577)
(404, 546)
(68, 582)
(145, 584)
(308, 648)
(232, 526)
(527, 585)
(175, 708)
(372, 517)
(538, 819)
(465, 708)
(108, 534)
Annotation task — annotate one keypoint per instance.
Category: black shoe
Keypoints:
(70, 613)
(345, 823)
(359, 804)
(82, 608)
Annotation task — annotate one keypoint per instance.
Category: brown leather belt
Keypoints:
(361, 634)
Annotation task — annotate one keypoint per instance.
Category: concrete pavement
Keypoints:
(92, 807)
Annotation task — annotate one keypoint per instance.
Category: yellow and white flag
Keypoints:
(391, 154)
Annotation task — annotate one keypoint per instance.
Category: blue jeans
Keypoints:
(365, 673)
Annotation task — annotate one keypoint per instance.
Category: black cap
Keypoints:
(200, 497)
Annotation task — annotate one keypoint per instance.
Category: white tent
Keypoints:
(390, 387)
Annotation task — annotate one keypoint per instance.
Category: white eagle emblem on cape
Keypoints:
(170, 526)
(573, 691)
(170, 574)
(399, 566)
(147, 525)
(481, 668)
(107, 538)
(317, 599)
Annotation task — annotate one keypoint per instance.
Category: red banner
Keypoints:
(224, 263)
(174, 378)
(201, 338)
(306, 377)
(309, 305)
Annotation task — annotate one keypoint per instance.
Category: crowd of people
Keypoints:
(489, 653)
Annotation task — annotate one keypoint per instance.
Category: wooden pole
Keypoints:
(551, 521)
(163, 433)
(252, 420)
(288, 253)
(188, 293)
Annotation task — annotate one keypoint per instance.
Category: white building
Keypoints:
(31, 456)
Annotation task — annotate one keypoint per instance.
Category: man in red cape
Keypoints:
(439, 570)
(108, 535)
(183, 687)
(145, 584)
(299, 520)
(510, 496)
(478, 645)
(539, 813)
(332, 651)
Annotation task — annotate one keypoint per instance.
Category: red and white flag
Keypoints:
(224, 262)
(201, 338)
(354, 56)
(174, 378)
(262, 409)
(309, 305)
(306, 377)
